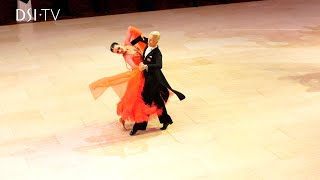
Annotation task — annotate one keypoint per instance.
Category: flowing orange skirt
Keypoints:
(128, 86)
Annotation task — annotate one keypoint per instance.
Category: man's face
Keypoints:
(119, 49)
(152, 41)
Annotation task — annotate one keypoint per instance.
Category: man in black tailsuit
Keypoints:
(156, 88)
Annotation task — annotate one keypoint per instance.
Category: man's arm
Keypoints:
(139, 39)
(158, 64)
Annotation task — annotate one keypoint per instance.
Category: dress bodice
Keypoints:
(136, 58)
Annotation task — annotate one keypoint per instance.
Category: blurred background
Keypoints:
(66, 9)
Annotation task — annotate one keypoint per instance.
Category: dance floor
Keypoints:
(250, 72)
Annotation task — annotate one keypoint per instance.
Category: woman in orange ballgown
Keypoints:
(128, 85)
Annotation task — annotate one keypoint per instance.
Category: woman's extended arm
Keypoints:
(132, 33)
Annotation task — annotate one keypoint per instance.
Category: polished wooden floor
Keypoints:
(250, 71)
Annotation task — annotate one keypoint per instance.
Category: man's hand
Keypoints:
(142, 36)
(143, 67)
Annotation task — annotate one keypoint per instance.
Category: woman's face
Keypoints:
(119, 49)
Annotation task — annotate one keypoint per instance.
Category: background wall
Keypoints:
(85, 8)
(7, 11)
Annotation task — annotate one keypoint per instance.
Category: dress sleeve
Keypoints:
(132, 33)
(135, 34)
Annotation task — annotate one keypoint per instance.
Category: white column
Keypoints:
(22, 14)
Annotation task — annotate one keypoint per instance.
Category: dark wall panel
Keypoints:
(85, 8)
(8, 11)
